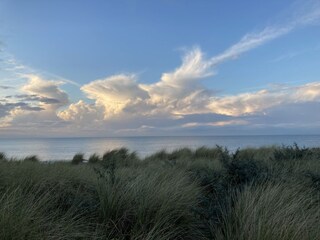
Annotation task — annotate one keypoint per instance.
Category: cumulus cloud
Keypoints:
(115, 92)
(37, 104)
(82, 113)
(45, 90)
(5, 108)
(177, 95)
(184, 79)
(177, 100)
(180, 92)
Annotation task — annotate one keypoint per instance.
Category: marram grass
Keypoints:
(207, 193)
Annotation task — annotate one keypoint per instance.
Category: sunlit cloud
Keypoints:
(121, 104)
(115, 92)
(216, 124)
(248, 103)
(82, 114)
(38, 103)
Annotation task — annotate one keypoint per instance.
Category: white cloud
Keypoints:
(257, 102)
(82, 114)
(308, 16)
(47, 89)
(37, 106)
(121, 102)
(184, 79)
(216, 124)
(115, 92)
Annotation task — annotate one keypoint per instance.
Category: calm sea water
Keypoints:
(65, 148)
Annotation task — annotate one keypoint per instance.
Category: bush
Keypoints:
(240, 172)
(2, 156)
(78, 158)
(291, 153)
(32, 158)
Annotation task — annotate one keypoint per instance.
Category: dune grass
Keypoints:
(207, 193)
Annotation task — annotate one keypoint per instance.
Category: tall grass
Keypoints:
(207, 193)
(272, 211)
(25, 216)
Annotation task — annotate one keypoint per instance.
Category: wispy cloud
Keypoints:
(216, 124)
(15, 67)
(309, 15)
(293, 54)
(121, 102)
(287, 56)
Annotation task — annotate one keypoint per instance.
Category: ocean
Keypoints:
(65, 148)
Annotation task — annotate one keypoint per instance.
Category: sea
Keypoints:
(54, 149)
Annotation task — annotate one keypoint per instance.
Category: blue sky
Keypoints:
(174, 67)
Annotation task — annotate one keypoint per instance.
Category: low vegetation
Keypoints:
(207, 193)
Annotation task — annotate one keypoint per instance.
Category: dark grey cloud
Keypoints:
(5, 87)
(34, 98)
(5, 108)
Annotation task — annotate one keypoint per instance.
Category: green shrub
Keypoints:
(291, 153)
(2, 156)
(32, 158)
(78, 158)
(240, 172)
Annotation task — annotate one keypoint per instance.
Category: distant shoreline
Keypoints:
(155, 136)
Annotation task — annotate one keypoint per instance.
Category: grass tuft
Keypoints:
(94, 158)
(206, 193)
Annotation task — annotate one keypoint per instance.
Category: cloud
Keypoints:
(83, 114)
(249, 103)
(309, 15)
(178, 100)
(11, 64)
(35, 98)
(7, 107)
(216, 124)
(37, 104)
(115, 92)
(44, 91)
(179, 93)
(249, 42)
(5, 87)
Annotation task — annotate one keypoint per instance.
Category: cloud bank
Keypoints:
(119, 104)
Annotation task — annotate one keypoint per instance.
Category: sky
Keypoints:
(159, 68)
